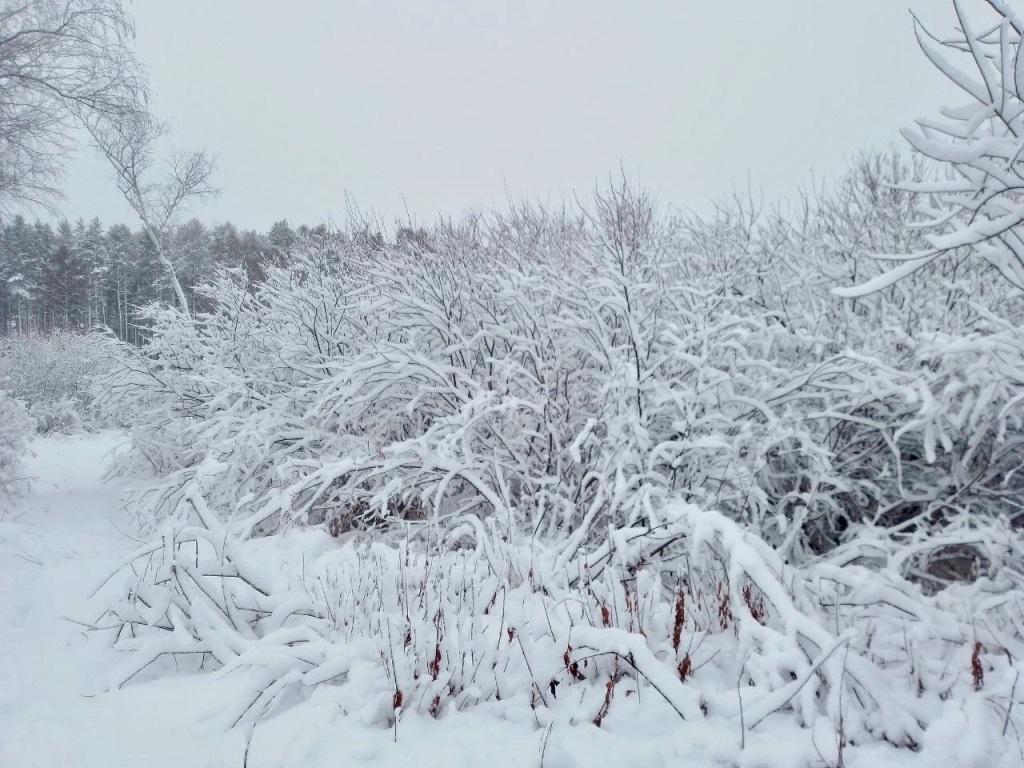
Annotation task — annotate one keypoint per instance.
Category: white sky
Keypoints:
(457, 103)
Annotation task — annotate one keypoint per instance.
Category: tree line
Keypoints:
(84, 275)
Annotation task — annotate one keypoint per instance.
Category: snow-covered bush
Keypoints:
(53, 374)
(15, 427)
(563, 374)
(61, 416)
(588, 414)
(548, 460)
(697, 618)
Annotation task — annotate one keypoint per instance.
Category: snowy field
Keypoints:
(59, 708)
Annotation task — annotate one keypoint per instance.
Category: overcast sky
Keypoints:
(458, 103)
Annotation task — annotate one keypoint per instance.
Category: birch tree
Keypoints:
(58, 59)
(129, 144)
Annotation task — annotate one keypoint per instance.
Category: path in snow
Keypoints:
(58, 545)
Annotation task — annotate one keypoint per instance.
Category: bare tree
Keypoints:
(129, 145)
(59, 59)
(64, 62)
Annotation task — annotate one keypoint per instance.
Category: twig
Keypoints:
(248, 743)
(1009, 708)
(529, 669)
(739, 697)
(544, 743)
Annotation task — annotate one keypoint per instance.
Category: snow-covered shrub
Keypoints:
(53, 375)
(15, 427)
(555, 459)
(564, 374)
(562, 407)
(734, 639)
(60, 416)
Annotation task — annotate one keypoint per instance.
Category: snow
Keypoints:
(53, 551)
(58, 707)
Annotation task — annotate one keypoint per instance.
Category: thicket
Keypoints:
(53, 376)
(666, 421)
(761, 467)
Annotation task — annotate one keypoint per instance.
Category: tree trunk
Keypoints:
(175, 283)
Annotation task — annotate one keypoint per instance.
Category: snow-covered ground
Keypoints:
(62, 541)
(57, 707)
